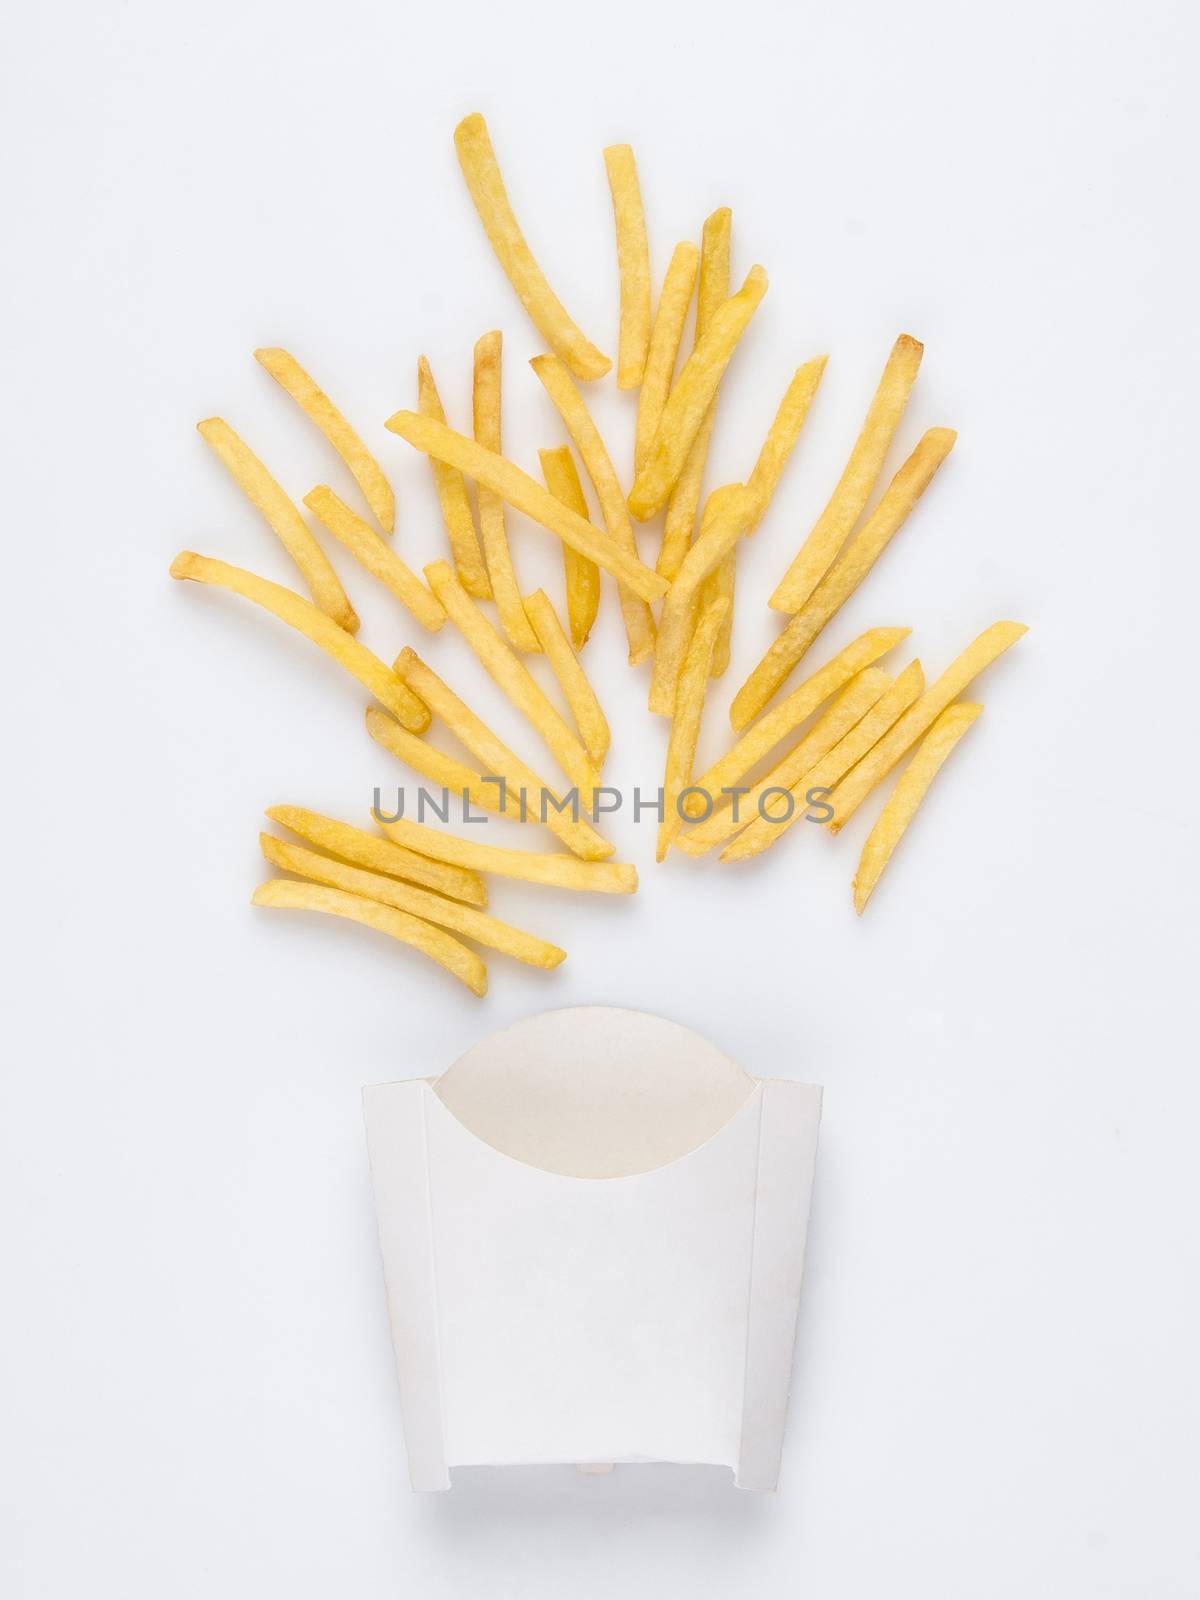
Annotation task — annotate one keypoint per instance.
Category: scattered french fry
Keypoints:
(461, 962)
(906, 797)
(546, 311)
(590, 721)
(663, 353)
(319, 408)
(380, 855)
(582, 576)
(554, 871)
(302, 615)
(374, 552)
(844, 577)
(834, 525)
(452, 497)
(486, 410)
(278, 510)
(685, 724)
(633, 264)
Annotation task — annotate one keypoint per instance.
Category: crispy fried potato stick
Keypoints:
(376, 554)
(877, 763)
(302, 615)
(560, 386)
(460, 919)
(844, 577)
(440, 946)
(691, 397)
(546, 311)
(319, 408)
(800, 704)
(685, 724)
(851, 705)
(833, 526)
(486, 414)
(582, 576)
(721, 584)
(498, 761)
(905, 798)
(712, 290)
(380, 855)
(512, 675)
(276, 507)
(555, 871)
(665, 338)
(577, 691)
(633, 264)
(452, 497)
(528, 496)
(822, 774)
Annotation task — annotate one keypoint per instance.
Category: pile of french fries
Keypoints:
(816, 751)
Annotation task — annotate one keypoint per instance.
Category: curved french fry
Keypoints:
(553, 871)
(665, 338)
(582, 576)
(452, 497)
(485, 411)
(633, 264)
(586, 709)
(380, 855)
(375, 554)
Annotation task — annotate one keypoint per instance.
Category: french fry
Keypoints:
(460, 919)
(486, 414)
(665, 338)
(560, 386)
(319, 408)
(498, 761)
(844, 577)
(712, 290)
(553, 871)
(512, 675)
(906, 797)
(373, 551)
(879, 761)
(852, 703)
(758, 741)
(721, 585)
(834, 525)
(822, 774)
(685, 724)
(380, 855)
(302, 615)
(691, 396)
(590, 721)
(277, 509)
(525, 495)
(633, 264)
(452, 497)
(546, 311)
(582, 576)
(440, 946)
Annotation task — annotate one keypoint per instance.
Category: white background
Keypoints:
(995, 1387)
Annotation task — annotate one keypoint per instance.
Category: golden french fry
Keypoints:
(452, 497)
(844, 577)
(278, 510)
(819, 776)
(665, 337)
(546, 311)
(853, 702)
(302, 615)
(578, 692)
(833, 526)
(460, 919)
(633, 264)
(440, 946)
(560, 386)
(524, 494)
(691, 396)
(512, 675)
(582, 576)
(905, 798)
(685, 724)
(319, 408)
(554, 871)
(758, 741)
(486, 413)
(380, 855)
(720, 585)
(499, 762)
(879, 761)
(712, 290)
(376, 554)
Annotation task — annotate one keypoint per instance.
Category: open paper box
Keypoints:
(593, 1233)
